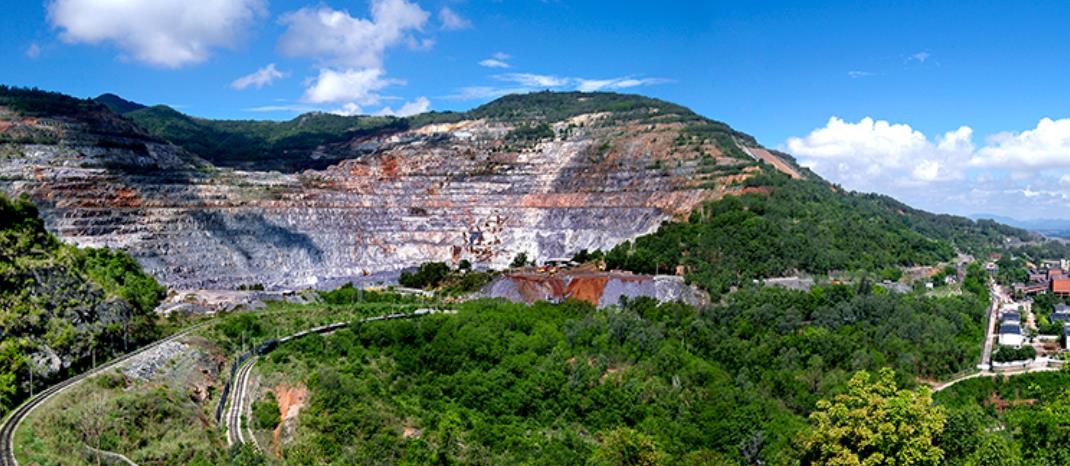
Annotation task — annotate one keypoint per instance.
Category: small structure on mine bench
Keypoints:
(559, 262)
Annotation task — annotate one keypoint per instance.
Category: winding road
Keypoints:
(14, 419)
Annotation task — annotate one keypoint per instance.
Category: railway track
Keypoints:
(14, 419)
(236, 414)
(236, 391)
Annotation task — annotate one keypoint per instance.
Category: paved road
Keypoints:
(15, 418)
(1026, 370)
(998, 299)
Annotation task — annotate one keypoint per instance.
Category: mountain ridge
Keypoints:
(547, 174)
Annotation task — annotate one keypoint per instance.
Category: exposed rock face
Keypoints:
(599, 288)
(441, 192)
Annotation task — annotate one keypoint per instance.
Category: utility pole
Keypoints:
(126, 331)
(29, 365)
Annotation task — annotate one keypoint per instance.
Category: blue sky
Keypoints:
(941, 104)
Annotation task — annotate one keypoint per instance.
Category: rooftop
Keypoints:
(1060, 285)
(1010, 328)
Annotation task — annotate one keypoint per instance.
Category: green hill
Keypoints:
(787, 226)
(60, 305)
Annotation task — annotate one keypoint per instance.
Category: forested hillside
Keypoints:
(61, 305)
(644, 384)
(784, 226)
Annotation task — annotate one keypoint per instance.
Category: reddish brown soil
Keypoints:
(291, 400)
(1002, 404)
(777, 162)
(588, 289)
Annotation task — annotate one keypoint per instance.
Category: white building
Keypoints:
(1010, 334)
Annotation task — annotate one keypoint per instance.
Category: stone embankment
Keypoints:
(596, 287)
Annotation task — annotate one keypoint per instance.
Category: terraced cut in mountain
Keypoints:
(546, 174)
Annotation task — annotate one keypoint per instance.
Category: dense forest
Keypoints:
(502, 383)
(61, 305)
(1021, 420)
(810, 226)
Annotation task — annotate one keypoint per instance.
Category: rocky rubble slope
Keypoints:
(470, 188)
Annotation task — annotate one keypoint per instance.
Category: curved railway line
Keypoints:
(236, 392)
(14, 419)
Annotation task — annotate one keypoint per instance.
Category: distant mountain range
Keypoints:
(1057, 227)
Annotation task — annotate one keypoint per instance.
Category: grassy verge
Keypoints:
(169, 418)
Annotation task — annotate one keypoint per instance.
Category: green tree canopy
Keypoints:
(874, 423)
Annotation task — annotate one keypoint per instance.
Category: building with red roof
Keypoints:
(1061, 286)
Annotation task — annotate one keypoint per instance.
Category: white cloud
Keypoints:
(169, 33)
(591, 85)
(351, 50)
(451, 21)
(282, 108)
(349, 109)
(359, 86)
(875, 152)
(498, 60)
(337, 38)
(258, 78)
(486, 92)
(493, 63)
(855, 74)
(418, 106)
(947, 173)
(33, 51)
(1046, 146)
(919, 57)
(533, 80)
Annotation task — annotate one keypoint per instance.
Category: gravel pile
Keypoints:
(145, 365)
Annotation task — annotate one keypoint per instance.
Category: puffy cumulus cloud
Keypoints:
(350, 50)
(355, 86)
(335, 37)
(874, 152)
(946, 173)
(451, 21)
(1046, 146)
(169, 33)
(418, 106)
(258, 78)
(348, 109)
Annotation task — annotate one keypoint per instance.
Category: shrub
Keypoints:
(266, 412)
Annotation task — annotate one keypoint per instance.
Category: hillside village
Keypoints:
(1032, 324)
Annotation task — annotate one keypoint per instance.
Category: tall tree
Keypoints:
(874, 423)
